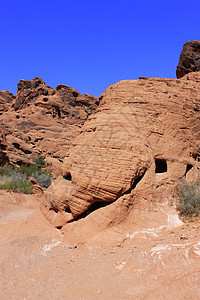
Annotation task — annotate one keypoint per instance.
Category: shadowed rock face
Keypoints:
(144, 136)
(189, 59)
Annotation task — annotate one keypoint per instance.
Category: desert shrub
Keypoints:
(17, 185)
(17, 179)
(43, 179)
(29, 170)
(40, 160)
(16, 176)
(5, 170)
(2, 181)
(188, 196)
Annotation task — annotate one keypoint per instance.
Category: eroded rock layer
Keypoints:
(144, 136)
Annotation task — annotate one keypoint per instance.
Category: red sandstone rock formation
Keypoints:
(189, 59)
(115, 189)
(37, 189)
(41, 120)
(129, 154)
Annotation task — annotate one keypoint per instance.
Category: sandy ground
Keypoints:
(36, 263)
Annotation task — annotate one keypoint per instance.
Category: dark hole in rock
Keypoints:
(45, 99)
(75, 94)
(68, 177)
(188, 168)
(59, 227)
(54, 208)
(38, 139)
(56, 111)
(196, 156)
(16, 145)
(20, 163)
(2, 146)
(17, 116)
(67, 210)
(27, 151)
(161, 165)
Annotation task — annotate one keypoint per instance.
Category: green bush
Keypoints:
(17, 179)
(188, 196)
(21, 185)
(5, 170)
(40, 160)
(30, 170)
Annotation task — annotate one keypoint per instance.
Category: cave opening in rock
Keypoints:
(68, 176)
(160, 165)
(196, 157)
(188, 168)
(67, 210)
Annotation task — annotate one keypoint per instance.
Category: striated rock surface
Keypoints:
(41, 120)
(189, 59)
(144, 136)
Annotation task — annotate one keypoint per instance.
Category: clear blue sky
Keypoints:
(90, 45)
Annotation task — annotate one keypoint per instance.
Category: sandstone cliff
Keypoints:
(144, 136)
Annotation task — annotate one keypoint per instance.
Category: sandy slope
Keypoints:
(149, 264)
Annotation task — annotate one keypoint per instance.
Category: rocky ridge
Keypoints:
(42, 120)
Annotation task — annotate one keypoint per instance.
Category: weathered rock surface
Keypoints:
(189, 59)
(147, 264)
(144, 136)
(41, 120)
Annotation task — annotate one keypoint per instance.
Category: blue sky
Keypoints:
(90, 45)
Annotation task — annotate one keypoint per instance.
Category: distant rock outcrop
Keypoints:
(41, 120)
(189, 59)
